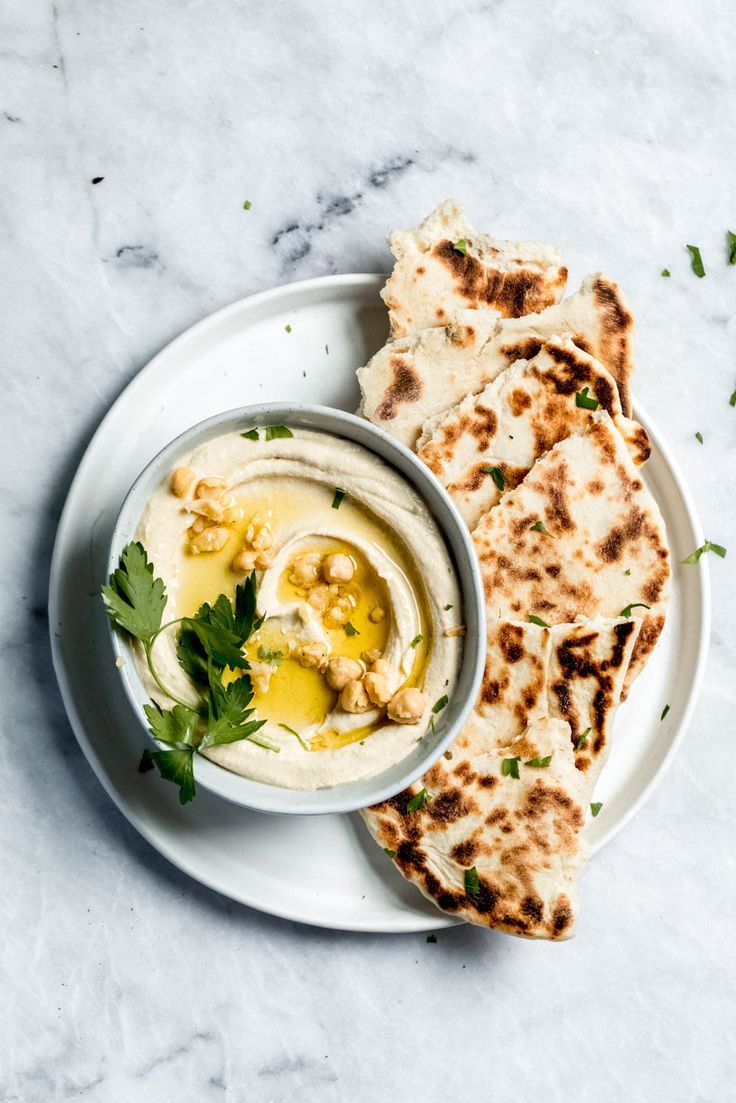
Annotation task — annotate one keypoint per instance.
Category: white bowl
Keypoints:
(355, 794)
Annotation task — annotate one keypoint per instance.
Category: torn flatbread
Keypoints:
(521, 835)
(433, 278)
(412, 379)
(517, 417)
(605, 545)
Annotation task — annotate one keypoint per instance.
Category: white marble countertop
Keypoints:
(607, 129)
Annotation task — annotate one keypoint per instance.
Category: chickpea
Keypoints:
(341, 671)
(319, 597)
(182, 480)
(305, 570)
(407, 706)
(262, 539)
(338, 568)
(211, 487)
(209, 540)
(211, 508)
(313, 655)
(338, 613)
(231, 515)
(371, 656)
(378, 688)
(354, 697)
(264, 560)
(382, 667)
(244, 562)
(376, 615)
(199, 524)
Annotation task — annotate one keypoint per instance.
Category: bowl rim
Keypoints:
(345, 797)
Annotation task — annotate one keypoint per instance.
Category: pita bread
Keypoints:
(515, 419)
(601, 522)
(522, 834)
(431, 279)
(410, 380)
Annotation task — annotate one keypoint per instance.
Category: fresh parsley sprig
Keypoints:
(208, 643)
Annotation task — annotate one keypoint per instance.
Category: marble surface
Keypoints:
(607, 129)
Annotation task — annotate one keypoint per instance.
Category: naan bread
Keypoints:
(431, 279)
(412, 379)
(517, 417)
(605, 546)
(522, 834)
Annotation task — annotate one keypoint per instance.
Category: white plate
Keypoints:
(322, 870)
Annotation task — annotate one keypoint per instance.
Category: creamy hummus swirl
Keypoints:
(390, 529)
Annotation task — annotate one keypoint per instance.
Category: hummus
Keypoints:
(353, 575)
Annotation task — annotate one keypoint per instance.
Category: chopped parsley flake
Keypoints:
(418, 801)
(292, 732)
(665, 272)
(350, 629)
(539, 761)
(510, 767)
(538, 526)
(696, 262)
(337, 500)
(732, 399)
(699, 437)
(626, 611)
(472, 884)
(496, 474)
(327, 350)
(417, 639)
(431, 938)
(708, 546)
(731, 246)
(582, 740)
(537, 620)
(595, 808)
(447, 608)
(247, 205)
(439, 705)
(583, 399)
(389, 853)
(266, 655)
(665, 710)
(461, 246)
(274, 432)
(250, 434)
(627, 571)
(287, 327)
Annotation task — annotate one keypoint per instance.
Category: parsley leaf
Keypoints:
(417, 640)
(595, 808)
(626, 611)
(510, 767)
(665, 710)
(350, 629)
(696, 262)
(582, 740)
(583, 399)
(266, 655)
(665, 272)
(536, 620)
(461, 246)
(418, 801)
(539, 761)
(337, 500)
(216, 633)
(538, 526)
(175, 725)
(134, 599)
(731, 247)
(472, 884)
(175, 765)
(699, 437)
(251, 434)
(228, 716)
(496, 474)
(708, 546)
(440, 704)
(388, 852)
(274, 432)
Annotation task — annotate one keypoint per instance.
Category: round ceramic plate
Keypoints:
(303, 343)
